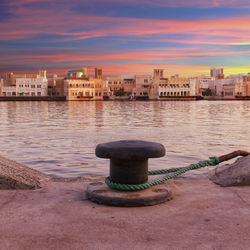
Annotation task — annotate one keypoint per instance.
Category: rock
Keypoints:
(14, 175)
(236, 174)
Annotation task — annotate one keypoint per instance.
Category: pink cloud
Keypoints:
(161, 3)
(144, 55)
(61, 23)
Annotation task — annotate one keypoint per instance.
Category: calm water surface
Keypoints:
(59, 138)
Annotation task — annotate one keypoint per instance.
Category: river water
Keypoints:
(59, 138)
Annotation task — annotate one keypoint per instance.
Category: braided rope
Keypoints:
(213, 161)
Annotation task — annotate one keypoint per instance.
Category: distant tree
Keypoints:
(208, 92)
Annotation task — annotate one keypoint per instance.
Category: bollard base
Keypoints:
(100, 193)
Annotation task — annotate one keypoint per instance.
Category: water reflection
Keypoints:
(99, 114)
(59, 138)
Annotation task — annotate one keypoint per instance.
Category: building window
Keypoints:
(39, 93)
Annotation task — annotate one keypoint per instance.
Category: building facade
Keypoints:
(143, 84)
(246, 82)
(169, 87)
(78, 86)
(56, 86)
(25, 85)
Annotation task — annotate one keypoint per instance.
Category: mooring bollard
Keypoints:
(128, 165)
(129, 159)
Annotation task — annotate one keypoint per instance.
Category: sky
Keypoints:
(184, 37)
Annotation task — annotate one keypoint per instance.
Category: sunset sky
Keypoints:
(125, 36)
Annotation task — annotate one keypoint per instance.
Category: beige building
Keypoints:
(128, 85)
(81, 87)
(246, 82)
(174, 86)
(11, 77)
(240, 88)
(115, 87)
(56, 86)
(142, 87)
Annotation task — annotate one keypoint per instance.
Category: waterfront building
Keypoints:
(25, 84)
(119, 87)
(142, 87)
(98, 85)
(246, 82)
(229, 90)
(32, 86)
(78, 86)
(203, 84)
(106, 90)
(240, 88)
(114, 86)
(8, 90)
(128, 84)
(56, 86)
(174, 86)
(228, 87)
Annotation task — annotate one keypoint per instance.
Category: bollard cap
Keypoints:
(130, 150)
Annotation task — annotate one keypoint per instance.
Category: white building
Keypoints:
(32, 86)
(26, 85)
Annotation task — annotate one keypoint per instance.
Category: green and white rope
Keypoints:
(213, 161)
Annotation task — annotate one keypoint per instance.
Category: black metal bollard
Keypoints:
(129, 159)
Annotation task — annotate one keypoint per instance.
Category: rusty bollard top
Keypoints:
(129, 159)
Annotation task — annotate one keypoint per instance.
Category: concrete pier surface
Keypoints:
(202, 215)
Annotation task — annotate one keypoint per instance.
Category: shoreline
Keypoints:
(63, 99)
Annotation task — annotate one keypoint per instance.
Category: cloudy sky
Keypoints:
(125, 36)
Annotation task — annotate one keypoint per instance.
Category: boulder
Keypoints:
(236, 174)
(14, 175)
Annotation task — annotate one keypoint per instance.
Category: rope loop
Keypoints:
(171, 173)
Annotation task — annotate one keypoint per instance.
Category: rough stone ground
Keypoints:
(202, 215)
